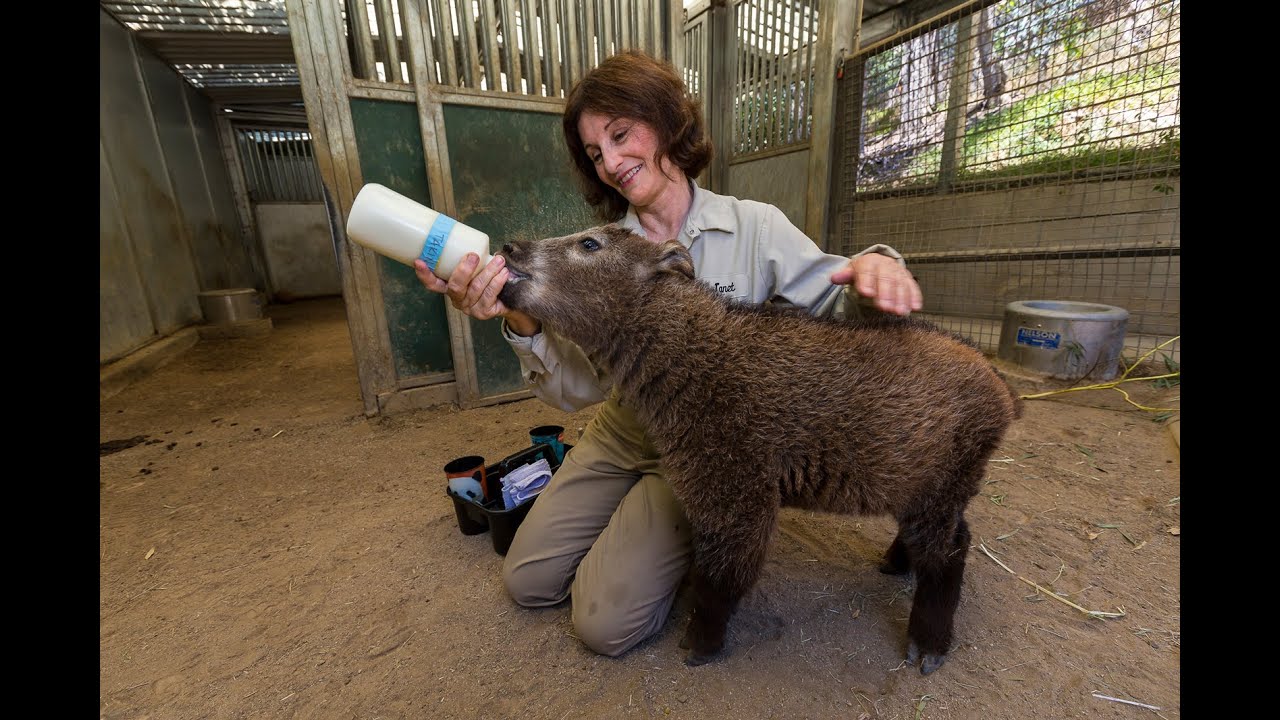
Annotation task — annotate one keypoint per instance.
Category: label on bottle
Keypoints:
(437, 236)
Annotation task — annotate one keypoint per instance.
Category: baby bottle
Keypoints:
(397, 227)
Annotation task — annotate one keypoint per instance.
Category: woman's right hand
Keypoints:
(474, 291)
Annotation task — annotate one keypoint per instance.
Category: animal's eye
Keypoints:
(590, 244)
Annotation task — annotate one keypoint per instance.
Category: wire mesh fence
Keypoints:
(1026, 151)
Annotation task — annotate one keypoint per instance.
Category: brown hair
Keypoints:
(637, 86)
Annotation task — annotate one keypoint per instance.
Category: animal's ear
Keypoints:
(675, 259)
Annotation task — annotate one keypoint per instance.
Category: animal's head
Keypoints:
(584, 284)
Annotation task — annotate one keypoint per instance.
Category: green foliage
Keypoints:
(1171, 366)
(882, 122)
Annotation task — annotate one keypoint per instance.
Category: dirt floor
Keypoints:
(267, 551)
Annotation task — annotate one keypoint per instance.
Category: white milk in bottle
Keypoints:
(402, 229)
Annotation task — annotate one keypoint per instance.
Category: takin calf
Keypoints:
(756, 408)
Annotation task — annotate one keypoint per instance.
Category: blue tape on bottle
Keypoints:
(436, 238)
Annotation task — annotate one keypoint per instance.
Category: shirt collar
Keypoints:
(708, 211)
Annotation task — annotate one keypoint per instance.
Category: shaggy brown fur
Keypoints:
(756, 408)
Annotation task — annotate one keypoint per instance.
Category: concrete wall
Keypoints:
(781, 180)
(168, 227)
(299, 250)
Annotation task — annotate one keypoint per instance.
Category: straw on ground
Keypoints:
(1055, 596)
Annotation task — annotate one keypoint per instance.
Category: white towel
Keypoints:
(525, 482)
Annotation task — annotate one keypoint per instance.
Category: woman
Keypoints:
(607, 530)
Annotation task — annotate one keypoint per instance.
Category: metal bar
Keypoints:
(1054, 253)
(261, 172)
(757, 49)
(291, 179)
(722, 57)
(279, 175)
(469, 40)
(261, 176)
(280, 143)
(492, 66)
(606, 34)
(358, 20)
(835, 32)
(641, 9)
(806, 113)
(857, 28)
(591, 57)
(398, 9)
(242, 147)
(553, 47)
(389, 54)
(299, 166)
(572, 61)
(737, 51)
(311, 187)
(957, 100)
(511, 47)
(787, 71)
(778, 109)
(533, 47)
(625, 18)
(444, 42)
(666, 37)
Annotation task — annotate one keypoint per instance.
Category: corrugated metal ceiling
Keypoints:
(237, 52)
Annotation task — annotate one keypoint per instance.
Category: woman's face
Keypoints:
(624, 152)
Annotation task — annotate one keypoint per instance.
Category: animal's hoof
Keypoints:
(694, 659)
(889, 568)
(928, 661)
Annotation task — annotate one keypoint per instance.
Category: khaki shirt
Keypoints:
(746, 250)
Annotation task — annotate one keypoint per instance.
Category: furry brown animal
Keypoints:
(756, 408)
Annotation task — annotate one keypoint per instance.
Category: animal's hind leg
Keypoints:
(939, 566)
(897, 561)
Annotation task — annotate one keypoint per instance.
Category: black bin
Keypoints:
(476, 517)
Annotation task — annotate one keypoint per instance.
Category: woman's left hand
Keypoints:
(884, 280)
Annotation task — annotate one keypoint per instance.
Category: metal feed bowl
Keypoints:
(1062, 339)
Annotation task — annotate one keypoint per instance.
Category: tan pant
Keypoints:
(607, 531)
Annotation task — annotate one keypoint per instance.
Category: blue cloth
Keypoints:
(524, 483)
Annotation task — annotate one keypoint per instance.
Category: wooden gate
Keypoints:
(456, 104)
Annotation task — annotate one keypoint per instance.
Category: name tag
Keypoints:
(729, 287)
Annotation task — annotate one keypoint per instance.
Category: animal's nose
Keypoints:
(513, 248)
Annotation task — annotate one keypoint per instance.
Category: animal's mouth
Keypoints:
(515, 274)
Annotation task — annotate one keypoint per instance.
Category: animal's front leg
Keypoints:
(729, 551)
(713, 605)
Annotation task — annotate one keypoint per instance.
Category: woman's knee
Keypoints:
(532, 583)
(608, 628)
